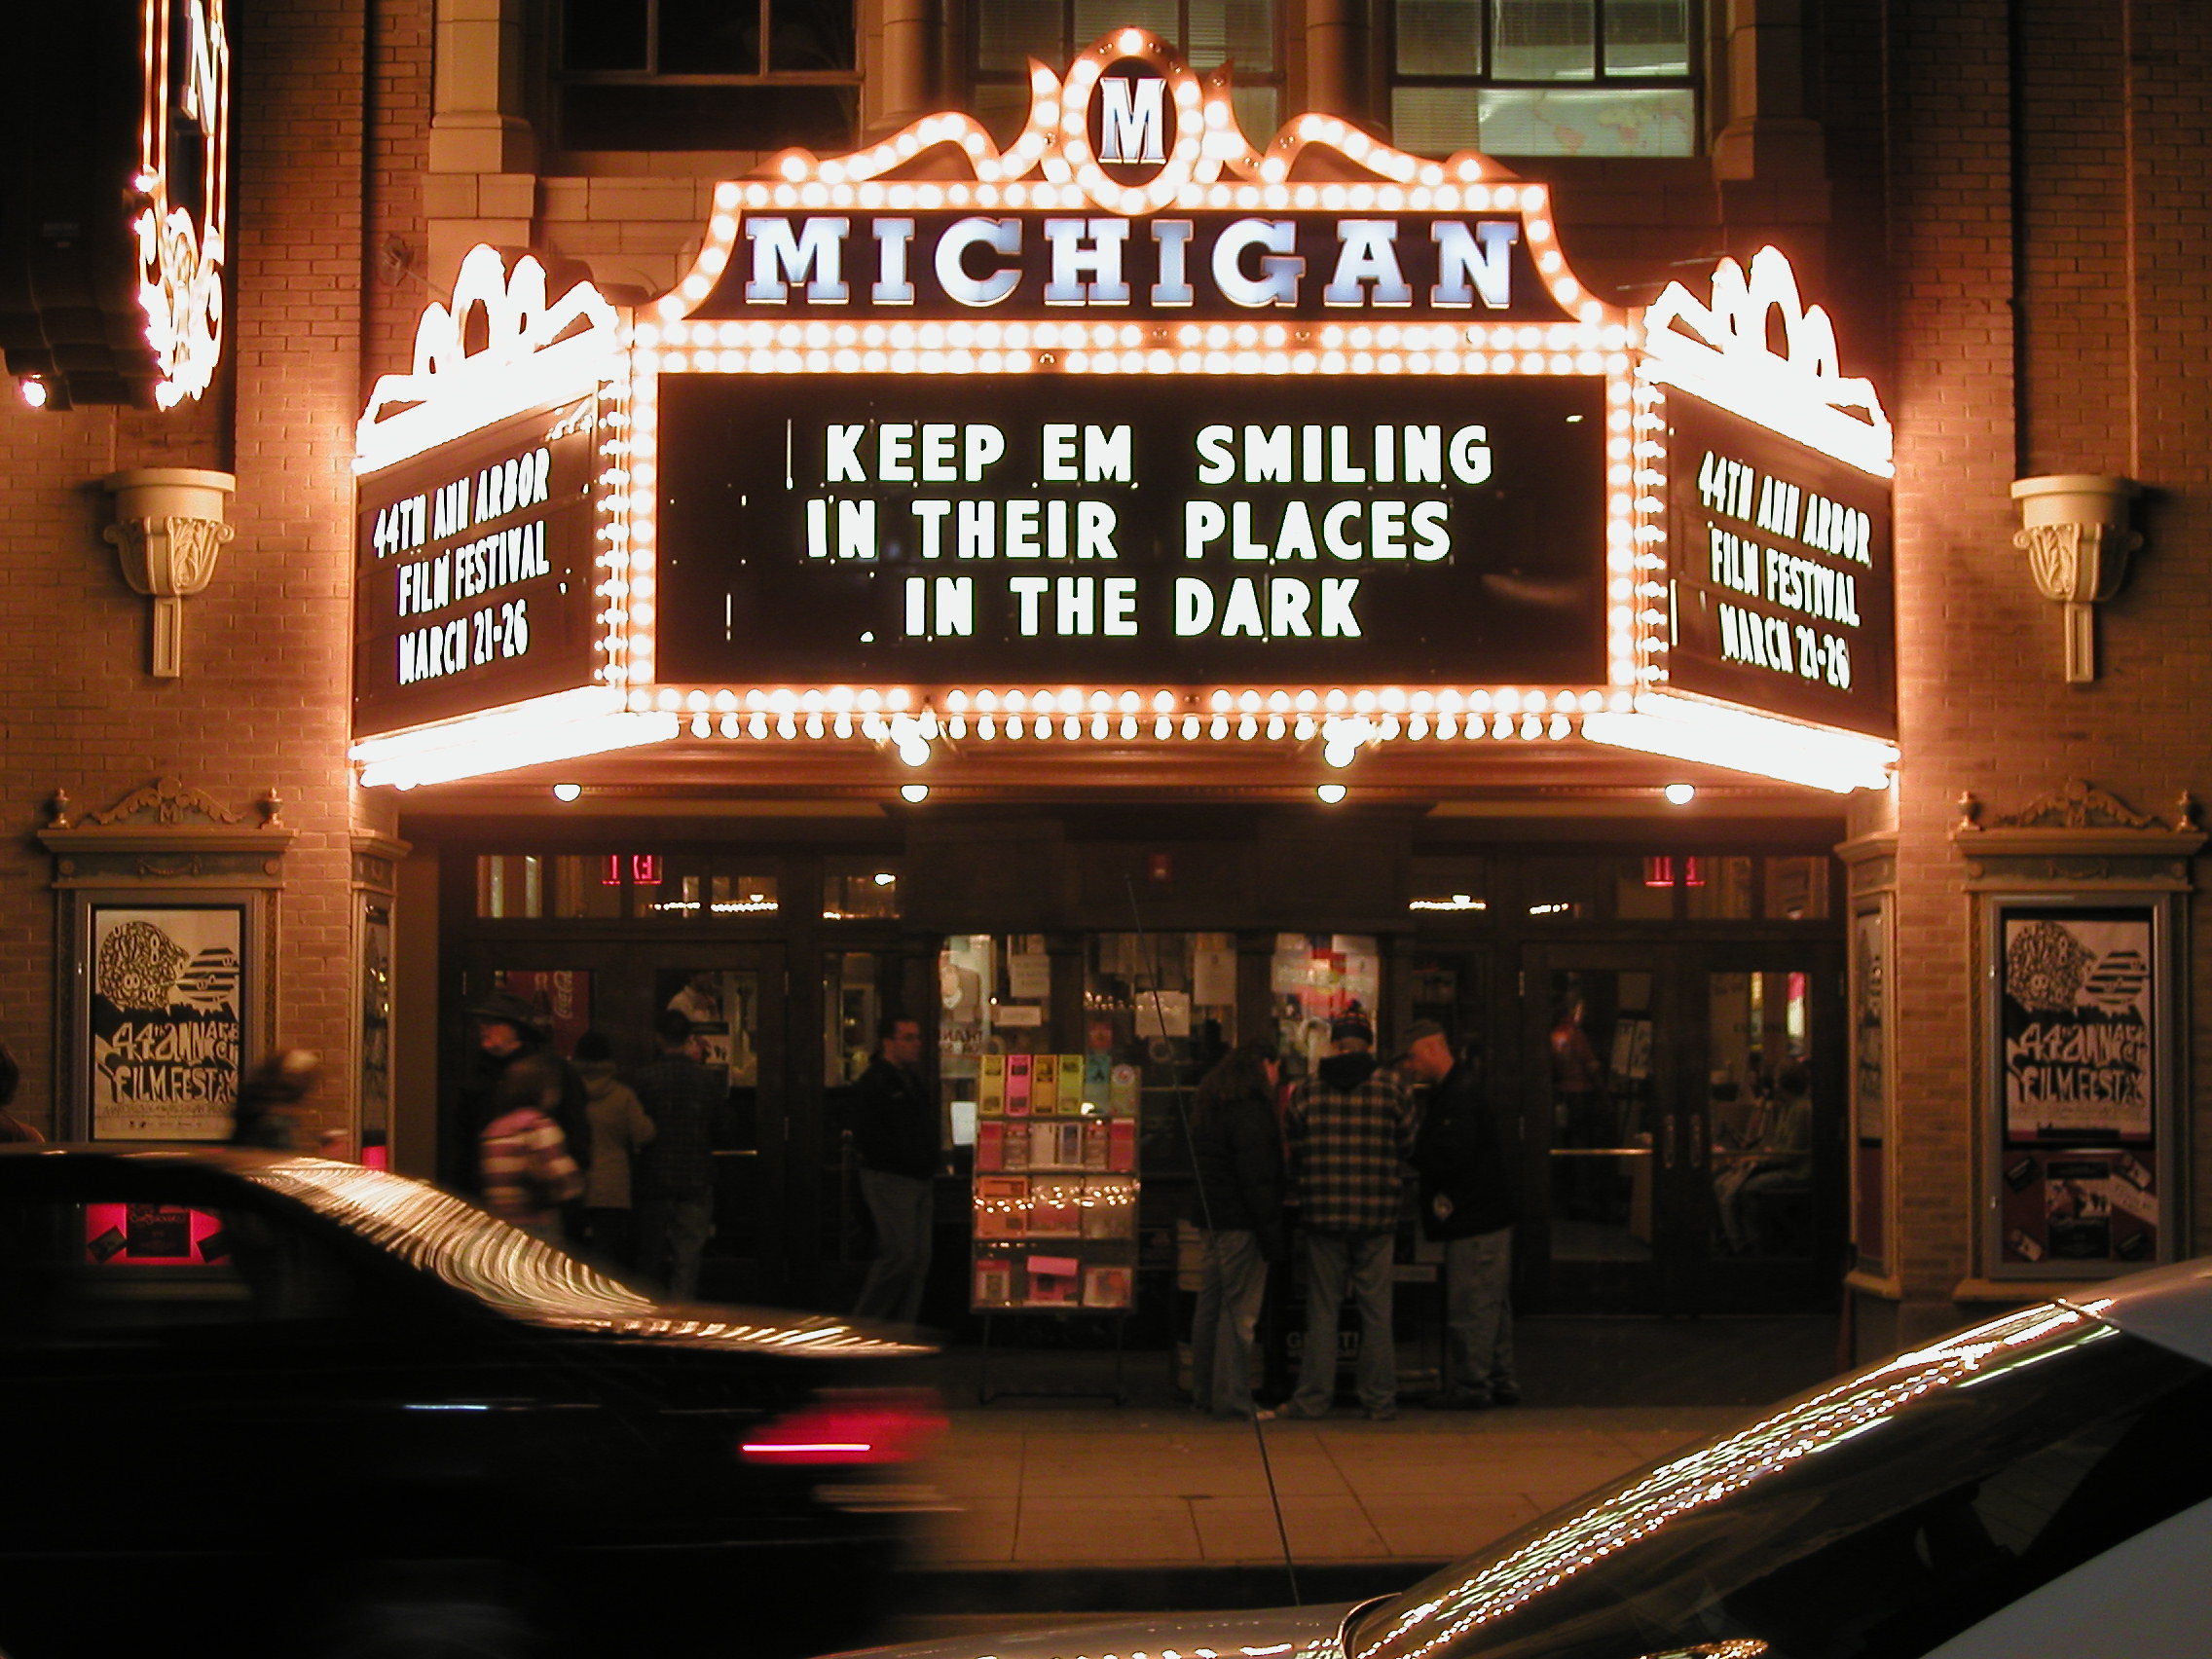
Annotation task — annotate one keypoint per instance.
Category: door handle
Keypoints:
(1667, 1141)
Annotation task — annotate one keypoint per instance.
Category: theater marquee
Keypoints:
(1133, 432)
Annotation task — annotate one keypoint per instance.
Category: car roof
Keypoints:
(433, 1232)
(2170, 1305)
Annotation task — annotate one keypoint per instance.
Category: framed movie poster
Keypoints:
(167, 1013)
(2081, 1080)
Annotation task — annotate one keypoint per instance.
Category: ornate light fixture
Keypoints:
(2074, 531)
(170, 526)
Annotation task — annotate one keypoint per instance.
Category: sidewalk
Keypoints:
(1061, 1491)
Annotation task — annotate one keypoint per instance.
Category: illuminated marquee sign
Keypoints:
(473, 584)
(113, 239)
(1134, 431)
(1779, 559)
(911, 532)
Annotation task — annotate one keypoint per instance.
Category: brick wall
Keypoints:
(2018, 272)
(262, 703)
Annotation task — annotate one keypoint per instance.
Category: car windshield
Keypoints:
(1872, 1519)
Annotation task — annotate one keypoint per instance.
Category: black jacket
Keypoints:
(894, 1121)
(1466, 1165)
(1237, 1155)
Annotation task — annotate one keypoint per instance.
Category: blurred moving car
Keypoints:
(2038, 1486)
(264, 1404)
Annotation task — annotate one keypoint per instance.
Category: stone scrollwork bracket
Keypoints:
(2074, 531)
(170, 525)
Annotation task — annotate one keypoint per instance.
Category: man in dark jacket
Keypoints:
(674, 1182)
(895, 1132)
(1467, 1201)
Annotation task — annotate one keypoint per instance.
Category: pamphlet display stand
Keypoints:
(1056, 1192)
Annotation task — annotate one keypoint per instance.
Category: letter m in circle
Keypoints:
(1134, 120)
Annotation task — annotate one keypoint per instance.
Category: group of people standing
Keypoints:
(1336, 1156)
(574, 1153)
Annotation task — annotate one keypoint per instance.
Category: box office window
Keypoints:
(1544, 77)
(706, 74)
(1002, 35)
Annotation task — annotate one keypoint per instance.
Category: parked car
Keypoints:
(2037, 1487)
(264, 1404)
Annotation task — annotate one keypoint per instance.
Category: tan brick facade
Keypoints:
(2005, 207)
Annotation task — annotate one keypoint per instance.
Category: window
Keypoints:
(1544, 77)
(706, 74)
(1005, 34)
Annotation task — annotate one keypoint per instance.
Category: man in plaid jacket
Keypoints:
(1350, 1130)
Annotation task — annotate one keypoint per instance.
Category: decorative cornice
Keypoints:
(169, 817)
(2078, 818)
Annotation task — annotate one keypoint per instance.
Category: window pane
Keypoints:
(706, 118)
(1647, 37)
(1010, 32)
(1657, 122)
(810, 34)
(1544, 40)
(1434, 120)
(1440, 37)
(587, 885)
(709, 37)
(1258, 112)
(604, 34)
(1314, 978)
(1643, 889)
(1095, 18)
(743, 896)
(1720, 889)
(1239, 29)
(857, 895)
(510, 886)
(1797, 889)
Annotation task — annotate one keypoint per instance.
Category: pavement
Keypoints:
(1062, 1503)
(1063, 1511)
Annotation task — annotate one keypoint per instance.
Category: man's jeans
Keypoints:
(1229, 1294)
(904, 1211)
(1334, 1260)
(1478, 1314)
(672, 1236)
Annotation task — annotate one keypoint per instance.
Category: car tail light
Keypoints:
(894, 1427)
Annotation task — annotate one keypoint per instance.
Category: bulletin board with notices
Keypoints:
(1055, 1183)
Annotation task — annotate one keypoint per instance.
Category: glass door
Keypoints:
(1607, 1219)
(1767, 1116)
(733, 993)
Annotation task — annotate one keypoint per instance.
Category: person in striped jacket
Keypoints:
(527, 1168)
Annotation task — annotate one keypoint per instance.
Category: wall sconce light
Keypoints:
(170, 526)
(2073, 530)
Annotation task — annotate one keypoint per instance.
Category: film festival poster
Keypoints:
(2076, 1044)
(2077, 1048)
(166, 1021)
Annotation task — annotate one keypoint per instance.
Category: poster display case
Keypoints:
(2079, 1078)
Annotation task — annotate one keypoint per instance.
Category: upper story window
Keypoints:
(1005, 34)
(707, 74)
(1544, 77)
